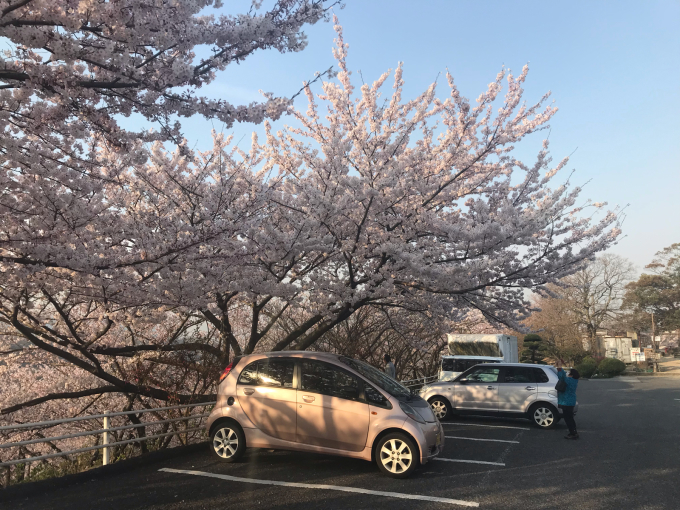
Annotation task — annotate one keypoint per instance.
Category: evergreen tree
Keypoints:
(534, 349)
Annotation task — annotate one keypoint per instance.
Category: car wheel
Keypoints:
(543, 416)
(227, 442)
(397, 455)
(440, 407)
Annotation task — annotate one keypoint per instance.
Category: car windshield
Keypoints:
(380, 379)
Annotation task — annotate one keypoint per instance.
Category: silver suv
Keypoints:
(501, 389)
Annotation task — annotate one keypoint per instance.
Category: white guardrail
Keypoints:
(106, 428)
(421, 381)
(105, 432)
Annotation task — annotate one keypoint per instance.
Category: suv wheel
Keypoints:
(227, 442)
(440, 407)
(544, 416)
(397, 455)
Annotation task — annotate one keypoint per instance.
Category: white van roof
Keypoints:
(462, 356)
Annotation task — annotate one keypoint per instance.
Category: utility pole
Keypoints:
(654, 347)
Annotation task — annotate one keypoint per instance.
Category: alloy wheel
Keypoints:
(544, 417)
(225, 442)
(439, 409)
(396, 456)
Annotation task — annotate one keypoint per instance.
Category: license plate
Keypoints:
(439, 439)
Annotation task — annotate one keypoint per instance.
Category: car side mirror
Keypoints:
(463, 381)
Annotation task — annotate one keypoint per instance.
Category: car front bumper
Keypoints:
(435, 449)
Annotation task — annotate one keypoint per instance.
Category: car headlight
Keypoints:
(410, 412)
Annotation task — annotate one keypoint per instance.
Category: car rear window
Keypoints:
(269, 372)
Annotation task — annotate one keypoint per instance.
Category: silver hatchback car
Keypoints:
(324, 403)
(513, 390)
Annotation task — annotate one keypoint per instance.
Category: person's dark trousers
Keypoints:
(568, 413)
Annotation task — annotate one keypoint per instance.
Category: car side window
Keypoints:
(275, 372)
(345, 385)
(248, 374)
(374, 397)
(447, 365)
(519, 375)
(324, 378)
(269, 372)
(484, 374)
(540, 376)
(315, 377)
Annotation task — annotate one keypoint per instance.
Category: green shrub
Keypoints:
(609, 367)
(587, 367)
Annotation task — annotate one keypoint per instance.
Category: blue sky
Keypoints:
(613, 69)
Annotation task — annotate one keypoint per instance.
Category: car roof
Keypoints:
(293, 354)
(496, 365)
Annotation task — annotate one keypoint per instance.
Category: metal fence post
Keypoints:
(105, 439)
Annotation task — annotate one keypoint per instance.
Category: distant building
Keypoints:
(617, 344)
(613, 344)
(668, 341)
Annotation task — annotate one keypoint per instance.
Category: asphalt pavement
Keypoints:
(628, 457)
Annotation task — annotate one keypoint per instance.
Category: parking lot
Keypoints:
(628, 457)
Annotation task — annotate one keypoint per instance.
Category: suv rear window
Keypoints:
(520, 375)
(541, 376)
(525, 375)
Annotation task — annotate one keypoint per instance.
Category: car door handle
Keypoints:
(307, 398)
(490, 387)
(530, 388)
(248, 391)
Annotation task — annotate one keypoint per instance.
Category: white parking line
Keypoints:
(323, 486)
(477, 439)
(490, 426)
(471, 461)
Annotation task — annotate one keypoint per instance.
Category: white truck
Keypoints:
(618, 347)
(466, 351)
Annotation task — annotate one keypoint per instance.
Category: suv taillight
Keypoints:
(226, 371)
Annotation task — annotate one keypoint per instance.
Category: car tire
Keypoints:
(440, 407)
(227, 441)
(397, 455)
(544, 416)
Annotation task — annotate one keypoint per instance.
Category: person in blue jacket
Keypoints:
(567, 399)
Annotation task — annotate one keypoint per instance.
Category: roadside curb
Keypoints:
(652, 374)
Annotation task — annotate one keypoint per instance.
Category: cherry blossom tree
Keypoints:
(419, 205)
(81, 213)
(73, 69)
(74, 66)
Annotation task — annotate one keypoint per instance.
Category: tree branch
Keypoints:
(60, 396)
